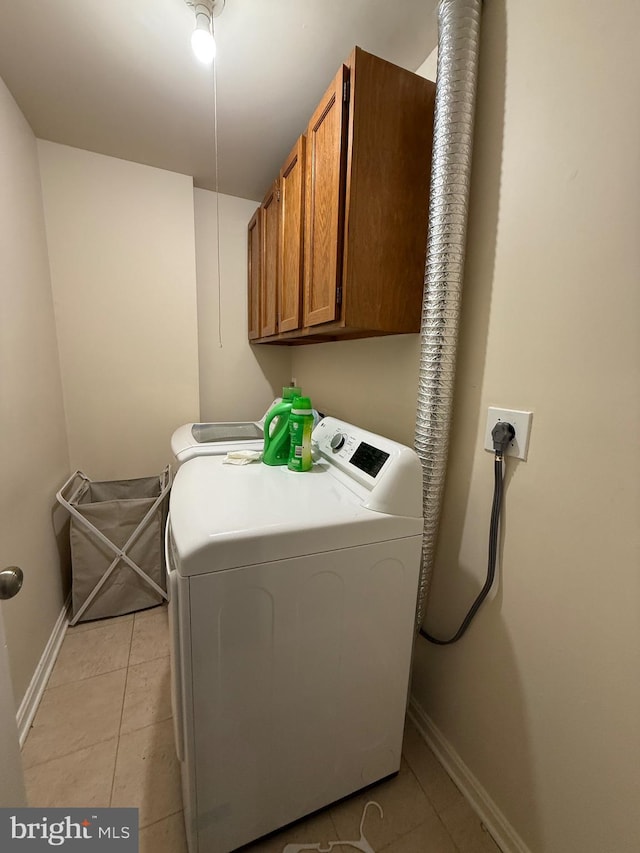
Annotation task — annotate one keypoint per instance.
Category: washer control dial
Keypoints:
(338, 441)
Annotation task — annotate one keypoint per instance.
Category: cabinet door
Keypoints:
(291, 238)
(324, 204)
(255, 274)
(269, 246)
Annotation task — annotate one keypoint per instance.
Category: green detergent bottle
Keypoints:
(300, 427)
(277, 440)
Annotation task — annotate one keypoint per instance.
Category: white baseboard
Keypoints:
(496, 823)
(31, 700)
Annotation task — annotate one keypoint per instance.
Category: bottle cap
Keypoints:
(290, 391)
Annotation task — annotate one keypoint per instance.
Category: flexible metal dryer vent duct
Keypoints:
(458, 46)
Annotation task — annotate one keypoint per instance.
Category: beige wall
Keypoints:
(122, 255)
(372, 383)
(34, 455)
(429, 67)
(237, 381)
(542, 698)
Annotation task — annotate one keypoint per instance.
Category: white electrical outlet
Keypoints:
(520, 421)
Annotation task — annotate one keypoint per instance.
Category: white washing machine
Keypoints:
(292, 615)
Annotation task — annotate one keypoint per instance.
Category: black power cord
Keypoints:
(502, 434)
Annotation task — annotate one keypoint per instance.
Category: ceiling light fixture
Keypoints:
(202, 41)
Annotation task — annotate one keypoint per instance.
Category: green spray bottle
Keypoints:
(300, 428)
(277, 441)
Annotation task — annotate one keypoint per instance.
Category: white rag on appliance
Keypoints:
(242, 457)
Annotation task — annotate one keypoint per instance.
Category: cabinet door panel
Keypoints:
(269, 228)
(255, 275)
(291, 238)
(324, 207)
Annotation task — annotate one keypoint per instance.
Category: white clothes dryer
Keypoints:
(292, 620)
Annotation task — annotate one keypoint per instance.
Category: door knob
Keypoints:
(10, 582)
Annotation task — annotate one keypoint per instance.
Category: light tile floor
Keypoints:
(103, 736)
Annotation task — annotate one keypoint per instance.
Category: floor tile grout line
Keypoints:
(149, 725)
(372, 791)
(85, 627)
(150, 611)
(85, 678)
(115, 669)
(77, 630)
(140, 614)
(58, 687)
(441, 809)
(98, 743)
(431, 803)
(73, 631)
(148, 660)
(67, 754)
(146, 725)
(160, 819)
(413, 829)
(127, 666)
(458, 848)
(122, 618)
(107, 629)
(124, 696)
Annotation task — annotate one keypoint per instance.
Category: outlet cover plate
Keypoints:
(521, 422)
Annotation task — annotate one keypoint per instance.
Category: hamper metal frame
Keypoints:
(81, 483)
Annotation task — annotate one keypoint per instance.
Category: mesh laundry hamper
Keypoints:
(116, 543)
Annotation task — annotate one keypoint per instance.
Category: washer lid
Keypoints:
(236, 431)
(226, 516)
(217, 439)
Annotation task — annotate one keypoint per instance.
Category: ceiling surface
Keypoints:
(118, 76)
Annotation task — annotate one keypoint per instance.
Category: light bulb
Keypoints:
(202, 41)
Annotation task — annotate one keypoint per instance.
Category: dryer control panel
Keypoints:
(390, 472)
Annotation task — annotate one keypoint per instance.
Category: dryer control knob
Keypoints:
(338, 441)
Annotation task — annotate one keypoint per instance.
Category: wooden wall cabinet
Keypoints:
(291, 238)
(366, 163)
(275, 246)
(269, 262)
(254, 266)
(327, 136)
